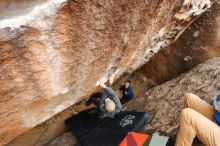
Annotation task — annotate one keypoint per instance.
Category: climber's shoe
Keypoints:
(88, 102)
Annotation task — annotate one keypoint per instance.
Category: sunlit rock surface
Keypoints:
(52, 52)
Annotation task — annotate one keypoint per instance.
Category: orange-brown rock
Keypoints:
(52, 52)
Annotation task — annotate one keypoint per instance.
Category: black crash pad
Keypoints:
(90, 130)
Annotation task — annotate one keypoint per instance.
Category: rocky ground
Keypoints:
(166, 99)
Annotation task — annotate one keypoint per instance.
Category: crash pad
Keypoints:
(158, 140)
(134, 139)
(90, 130)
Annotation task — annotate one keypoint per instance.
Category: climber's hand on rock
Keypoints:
(111, 78)
(102, 84)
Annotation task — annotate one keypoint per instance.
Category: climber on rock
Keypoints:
(127, 92)
(199, 119)
(108, 101)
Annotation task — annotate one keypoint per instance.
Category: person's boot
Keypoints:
(94, 95)
(88, 102)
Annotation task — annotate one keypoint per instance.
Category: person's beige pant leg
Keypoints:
(196, 120)
(194, 102)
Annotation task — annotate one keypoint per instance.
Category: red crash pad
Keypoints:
(134, 139)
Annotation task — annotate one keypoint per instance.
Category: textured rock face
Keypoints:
(52, 52)
(67, 139)
(167, 99)
(201, 41)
